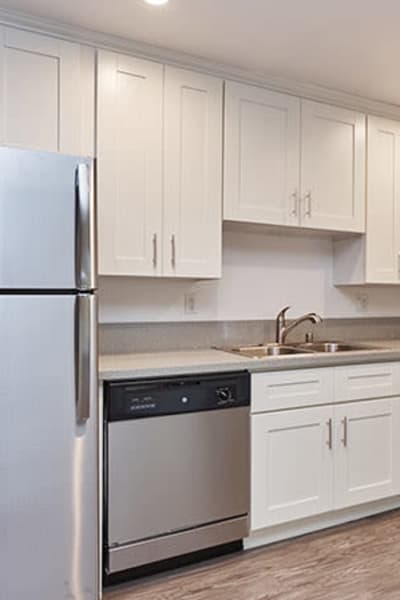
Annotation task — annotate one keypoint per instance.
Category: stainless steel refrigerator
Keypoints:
(48, 378)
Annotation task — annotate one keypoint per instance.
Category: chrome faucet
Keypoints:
(282, 329)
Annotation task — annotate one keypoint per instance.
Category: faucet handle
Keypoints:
(282, 313)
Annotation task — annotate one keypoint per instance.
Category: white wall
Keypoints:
(261, 273)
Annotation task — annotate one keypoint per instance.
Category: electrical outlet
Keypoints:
(362, 300)
(190, 304)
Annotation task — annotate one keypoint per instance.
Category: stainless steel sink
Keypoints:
(268, 350)
(331, 347)
(263, 351)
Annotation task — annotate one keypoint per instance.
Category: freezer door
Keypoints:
(46, 221)
(48, 457)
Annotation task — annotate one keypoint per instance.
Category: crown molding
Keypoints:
(184, 60)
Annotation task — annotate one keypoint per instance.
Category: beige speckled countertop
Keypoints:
(161, 364)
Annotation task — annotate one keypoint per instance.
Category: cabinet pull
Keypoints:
(398, 265)
(345, 438)
(293, 197)
(308, 204)
(330, 434)
(173, 250)
(155, 257)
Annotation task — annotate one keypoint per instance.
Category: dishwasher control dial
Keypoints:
(224, 394)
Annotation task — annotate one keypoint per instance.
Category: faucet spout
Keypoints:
(282, 329)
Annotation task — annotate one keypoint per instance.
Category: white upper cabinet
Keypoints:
(159, 148)
(292, 162)
(193, 174)
(46, 93)
(375, 258)
(129, 151)
(262, 140)
(383, 201)
(332, 168)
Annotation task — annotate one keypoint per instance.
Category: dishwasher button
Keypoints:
(184, 400)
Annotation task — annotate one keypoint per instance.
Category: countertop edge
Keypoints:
(167, 364)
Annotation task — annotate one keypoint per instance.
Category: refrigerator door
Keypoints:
(48, 452)
(46, 221)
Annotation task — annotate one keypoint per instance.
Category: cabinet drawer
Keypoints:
(291, 389)
(361, 382)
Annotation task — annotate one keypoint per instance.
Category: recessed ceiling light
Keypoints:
(156, 2)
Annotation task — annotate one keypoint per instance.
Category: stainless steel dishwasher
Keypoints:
(176, 467)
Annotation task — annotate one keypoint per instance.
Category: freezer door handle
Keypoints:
(83, 356)
(85, 227)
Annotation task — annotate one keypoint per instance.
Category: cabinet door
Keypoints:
(262, 150)
(129, 151)
(367, 461)
(193, 167)
(41, 93)
(292, 465)
(333, 168)
(383, 201)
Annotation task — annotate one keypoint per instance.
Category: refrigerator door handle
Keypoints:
(85, 228)
(83, 356)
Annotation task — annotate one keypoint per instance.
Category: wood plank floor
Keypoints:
(360, 561)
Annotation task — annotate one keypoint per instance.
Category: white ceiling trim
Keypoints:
(180, 59)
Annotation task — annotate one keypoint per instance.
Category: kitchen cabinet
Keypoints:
(332, 167)
(292, 162)
(192, 224)
(329, 446)
(159, 169)
(129, 173)
(376, 258)
(46, 93)
(367, 459)
(262, 160)
(292, 465)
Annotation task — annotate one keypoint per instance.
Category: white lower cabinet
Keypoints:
(367, 458)
(292, 465)
(311, 460)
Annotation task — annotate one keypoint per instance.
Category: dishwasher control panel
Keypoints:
(157, 397)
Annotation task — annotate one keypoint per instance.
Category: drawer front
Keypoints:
(291, 389)
(361, 382)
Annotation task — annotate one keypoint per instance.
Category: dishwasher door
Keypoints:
(172, 473)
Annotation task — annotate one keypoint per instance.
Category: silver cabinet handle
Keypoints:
(345, 438)
(329, 443)
(294, 210)
(398, 265)
(308, 204)
(84, 228)
(83, 355)
(173, 250)
(155, 248)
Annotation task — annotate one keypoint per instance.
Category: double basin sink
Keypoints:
(266, 350)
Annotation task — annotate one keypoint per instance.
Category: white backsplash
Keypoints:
(261, 273)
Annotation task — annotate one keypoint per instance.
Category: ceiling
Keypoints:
(349, 45)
